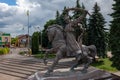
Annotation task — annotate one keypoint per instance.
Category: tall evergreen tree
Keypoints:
(60, 18)
(115, 34)
(57, 14)
(96, 33)
(35, 42)
(57, 17)
(77, 13)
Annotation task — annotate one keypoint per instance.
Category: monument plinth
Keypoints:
(65, 74)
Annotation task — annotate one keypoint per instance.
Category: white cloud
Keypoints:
(13, 18)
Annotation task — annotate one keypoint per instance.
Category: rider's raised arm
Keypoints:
(80, 18)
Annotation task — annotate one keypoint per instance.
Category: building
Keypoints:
(22, 40)
(5, 39)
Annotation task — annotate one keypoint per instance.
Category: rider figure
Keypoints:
(72, 44)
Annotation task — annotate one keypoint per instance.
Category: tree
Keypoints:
(35, 42)
(14, 40)
(77, 13)
(45, 41)
(60, 18)
(115, 34)
(96, 33)
(57, 16)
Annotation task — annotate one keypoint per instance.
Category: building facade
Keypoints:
(5, 39)
(22, 40)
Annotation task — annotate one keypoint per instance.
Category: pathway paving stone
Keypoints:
(16, 67)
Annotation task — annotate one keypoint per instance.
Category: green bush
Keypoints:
(1, 51)
(4, 51)
(8, 50)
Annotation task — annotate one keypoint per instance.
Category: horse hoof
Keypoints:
(45, 62)
(72, 70)
(46, 74)
(84, 71)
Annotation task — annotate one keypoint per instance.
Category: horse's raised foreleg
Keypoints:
(46, 55)
(57, 58)
(45, 58)
(89, 61)
(78, 62)
(74, 66)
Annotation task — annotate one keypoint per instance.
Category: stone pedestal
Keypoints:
(65, 74)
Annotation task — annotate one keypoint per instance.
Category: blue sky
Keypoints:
(9, 2)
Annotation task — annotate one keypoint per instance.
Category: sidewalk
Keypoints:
(117, 73)
(7, 77)
(14, 54)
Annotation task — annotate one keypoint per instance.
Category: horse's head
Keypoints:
(52, 31)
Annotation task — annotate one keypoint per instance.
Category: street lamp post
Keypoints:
(28, 27)
(29, 50)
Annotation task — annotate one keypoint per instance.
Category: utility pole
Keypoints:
(29, 50)
(28, 27)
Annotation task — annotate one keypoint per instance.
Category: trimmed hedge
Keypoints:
(4, 51)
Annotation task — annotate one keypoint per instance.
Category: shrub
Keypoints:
(8, 50)
(4, 51)
(1, 51)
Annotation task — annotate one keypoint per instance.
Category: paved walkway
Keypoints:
(16, 67)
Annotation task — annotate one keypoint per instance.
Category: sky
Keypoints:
(14, 19)
(9, 2)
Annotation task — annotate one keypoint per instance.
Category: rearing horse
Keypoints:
(57, 37)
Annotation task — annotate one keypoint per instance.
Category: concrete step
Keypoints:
(24, 66)
(18, 68)
(15, 74)
(23, 63)
(15, 70)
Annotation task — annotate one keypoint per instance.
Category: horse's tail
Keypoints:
(93, 51)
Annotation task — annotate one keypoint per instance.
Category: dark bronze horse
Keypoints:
(57, 37)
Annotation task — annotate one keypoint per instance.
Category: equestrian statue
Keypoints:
(64, 42)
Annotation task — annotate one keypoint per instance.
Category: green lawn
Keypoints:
(41, 55)
(104, 64)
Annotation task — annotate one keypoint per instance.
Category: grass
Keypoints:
(22, 53)
(105, 64)
(41, 55)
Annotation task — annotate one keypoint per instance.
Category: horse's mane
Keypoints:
(55, 26)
